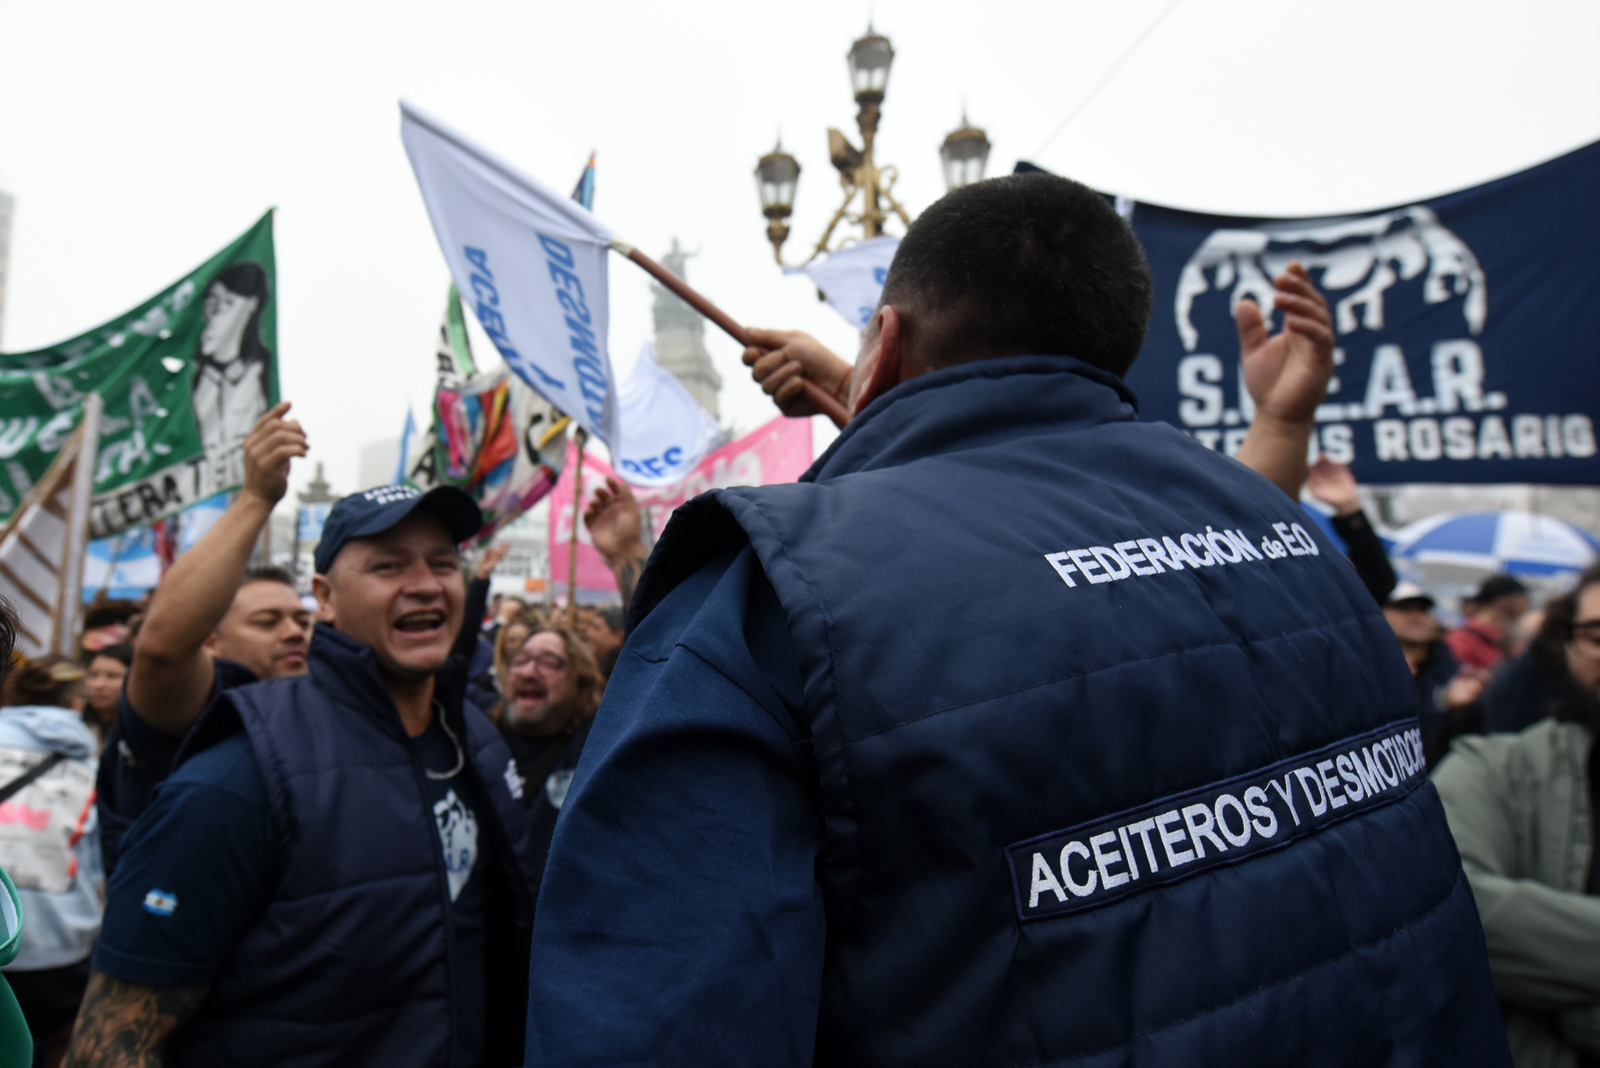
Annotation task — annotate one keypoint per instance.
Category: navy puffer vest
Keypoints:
(1118, 759)
(353, 961)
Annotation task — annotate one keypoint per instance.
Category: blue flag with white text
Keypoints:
(1468, 327)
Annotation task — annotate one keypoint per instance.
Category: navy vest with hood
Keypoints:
(352, 962)
(1004, 686)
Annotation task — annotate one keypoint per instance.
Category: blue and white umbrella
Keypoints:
(1519, 543)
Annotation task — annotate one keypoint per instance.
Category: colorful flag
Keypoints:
(532, 264)
(583, 192)
(491, 436)
(184, 377)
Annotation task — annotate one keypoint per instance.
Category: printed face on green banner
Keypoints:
(184, 378)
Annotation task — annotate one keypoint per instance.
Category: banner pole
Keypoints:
(826, 403)
(582, 438)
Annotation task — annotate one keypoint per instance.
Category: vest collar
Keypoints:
(347, 671)
(998, 400)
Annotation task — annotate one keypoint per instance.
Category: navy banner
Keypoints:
(1468, 327)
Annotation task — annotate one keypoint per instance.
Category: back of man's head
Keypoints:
(1026, 264)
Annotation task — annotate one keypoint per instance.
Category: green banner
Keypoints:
(184, 378)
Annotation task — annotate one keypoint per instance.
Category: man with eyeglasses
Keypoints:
(552, 691)
(337, 871)
(1525, 814)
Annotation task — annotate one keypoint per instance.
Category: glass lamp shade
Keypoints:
(870, 58)
(776, 177)
(965, 153)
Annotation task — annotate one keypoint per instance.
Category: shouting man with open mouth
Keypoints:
(336, 871)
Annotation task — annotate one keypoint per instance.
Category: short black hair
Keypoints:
(267, 573)
(1025, 264)
(613, 616)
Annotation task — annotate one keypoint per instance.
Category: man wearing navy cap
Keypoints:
(334, 873)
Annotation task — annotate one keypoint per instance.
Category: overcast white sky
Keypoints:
(140, 137)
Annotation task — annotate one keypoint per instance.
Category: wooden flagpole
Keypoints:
(582, 439)
(825, 402)
(76, 548)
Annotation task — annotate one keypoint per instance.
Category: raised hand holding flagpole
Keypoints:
(826, 403)
(531, 263)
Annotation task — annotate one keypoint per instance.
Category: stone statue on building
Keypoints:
(681, 338)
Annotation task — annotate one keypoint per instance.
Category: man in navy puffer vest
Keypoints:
(336, 871)
(1019, 732)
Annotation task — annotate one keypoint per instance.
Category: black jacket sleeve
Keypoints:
(472, 618)
(1366, 553)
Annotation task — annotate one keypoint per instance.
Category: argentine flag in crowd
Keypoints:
(529, 262)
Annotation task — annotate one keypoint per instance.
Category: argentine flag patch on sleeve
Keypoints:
(160, 903)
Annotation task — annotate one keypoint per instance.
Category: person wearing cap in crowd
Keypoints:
(214, 623)
(335, 872)
(1448, 690)
(1493, 609)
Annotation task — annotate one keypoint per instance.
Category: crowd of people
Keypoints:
(818, 816)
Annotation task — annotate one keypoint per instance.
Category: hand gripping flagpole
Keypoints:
(826, 403)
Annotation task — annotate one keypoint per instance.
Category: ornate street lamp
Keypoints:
(778, 173)
(964, 154)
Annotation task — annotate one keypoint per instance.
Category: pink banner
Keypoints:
(777, 452)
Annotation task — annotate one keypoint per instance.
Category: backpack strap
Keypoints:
(12, 788)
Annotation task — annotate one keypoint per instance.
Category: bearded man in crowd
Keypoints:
(553, 688)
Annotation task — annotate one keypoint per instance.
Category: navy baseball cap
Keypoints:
(373, 511)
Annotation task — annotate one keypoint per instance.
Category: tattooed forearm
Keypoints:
(128, 1025)
(628, 571)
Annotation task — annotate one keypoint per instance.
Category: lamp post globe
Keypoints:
(869, 59)
(777, 176)
(964, 154)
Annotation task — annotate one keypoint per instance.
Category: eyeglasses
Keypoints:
(1585, 637)
(543, 661)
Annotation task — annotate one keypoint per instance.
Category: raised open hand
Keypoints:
(779, 358)
(490, 559)
(1287, 373)
(267, 451)
(613, 521)
(1332, 483)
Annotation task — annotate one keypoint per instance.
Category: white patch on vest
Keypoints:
(458, 833)
(514, 781)
(555, 787)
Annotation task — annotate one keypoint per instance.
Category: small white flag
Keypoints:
(664, 432)
(528, 261)
(851, 280)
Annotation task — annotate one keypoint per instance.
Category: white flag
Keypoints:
(664, 432)
(852, 279)
(529, 262)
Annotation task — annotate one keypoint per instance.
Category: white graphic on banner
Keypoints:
(1360, 264)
